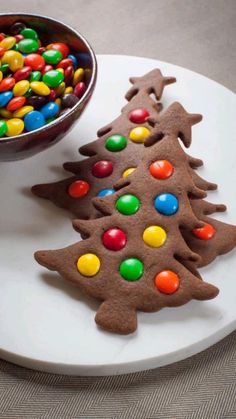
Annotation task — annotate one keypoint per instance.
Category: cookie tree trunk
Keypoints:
(135, 257)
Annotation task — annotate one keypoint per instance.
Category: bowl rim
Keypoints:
(5, 140)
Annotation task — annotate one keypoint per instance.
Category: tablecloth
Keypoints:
(199, 35)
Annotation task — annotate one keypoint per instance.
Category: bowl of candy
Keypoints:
(47, 76)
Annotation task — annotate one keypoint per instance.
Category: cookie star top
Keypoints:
(152, 82)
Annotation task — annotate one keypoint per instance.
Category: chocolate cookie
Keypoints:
(135, 256)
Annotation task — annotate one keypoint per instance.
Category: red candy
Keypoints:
(18, 38)
(161, 169)
(2, 51)
(139, 116)
(114, 239)
(7, 84)
(60, 46)
(79, 89)
(204, 233)
(23, 73)
(52, 95)
(64, 63)
(102, 168)
(78, 189)
(35, 61)
(48, 67)
(167, 282)
(16, 103)
(2, 36)
(68, 74)
(41, 50)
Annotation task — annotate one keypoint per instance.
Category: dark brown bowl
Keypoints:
(49, 30)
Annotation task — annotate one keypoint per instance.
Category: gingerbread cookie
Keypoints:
(135, 256)
(115, 153)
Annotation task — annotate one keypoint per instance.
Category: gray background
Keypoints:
(199, 35)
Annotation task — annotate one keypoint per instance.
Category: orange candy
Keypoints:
(16, 103)
(161, 169)
(167, 282)
(7, 84)
(204, 233)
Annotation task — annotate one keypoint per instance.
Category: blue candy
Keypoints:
(74, 60)
(34, 120)
(166, 204)
(5, 97)
(106, 192)
(50, 110)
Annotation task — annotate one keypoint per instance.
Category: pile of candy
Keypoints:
(37, 83)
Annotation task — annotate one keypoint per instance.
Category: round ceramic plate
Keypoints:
(45, 323)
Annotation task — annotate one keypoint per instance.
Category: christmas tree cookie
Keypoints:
(115, 153)
(135, 256)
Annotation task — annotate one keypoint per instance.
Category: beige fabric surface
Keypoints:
(199, 35)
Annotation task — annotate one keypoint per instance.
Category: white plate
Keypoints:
(44, 322)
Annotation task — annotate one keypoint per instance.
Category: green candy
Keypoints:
(16, 47)
(52, 56)
(28, 93)
(50, 120)
(35, 76)
(29, 33)
(128, 204)
(28, 45)
(53, 78)
(131, 269)
(4, 68)
(116, 143)
(3, 128)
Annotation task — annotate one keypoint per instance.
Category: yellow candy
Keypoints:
(21, 87)
(8, 42)
(14, 59)
(15, 126)
(5, 113)
(88, 264)
(60, 89)
(78, 76)
(128, 171)
(20, 113)
(154, 236)
(139, 134)
(69, 89)
(61, 70)
(40, 88)
(58, 101)
(1, 75)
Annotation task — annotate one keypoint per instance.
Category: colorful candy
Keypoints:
(154, 236)
(49, 110)
(204, 233)
(88, 264)
(34, 120)
(78, 189)
(167, 282)
(166, 204)
(102, 168)
(139, 134)
(161, 169)
(105, 192)
(128, 204)
(114, 239)
(15, 126)
(128, 171)
(38, 83)
(131, 269)
(139, 116)
(116, 143)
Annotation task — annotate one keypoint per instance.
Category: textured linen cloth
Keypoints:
(199, 35)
